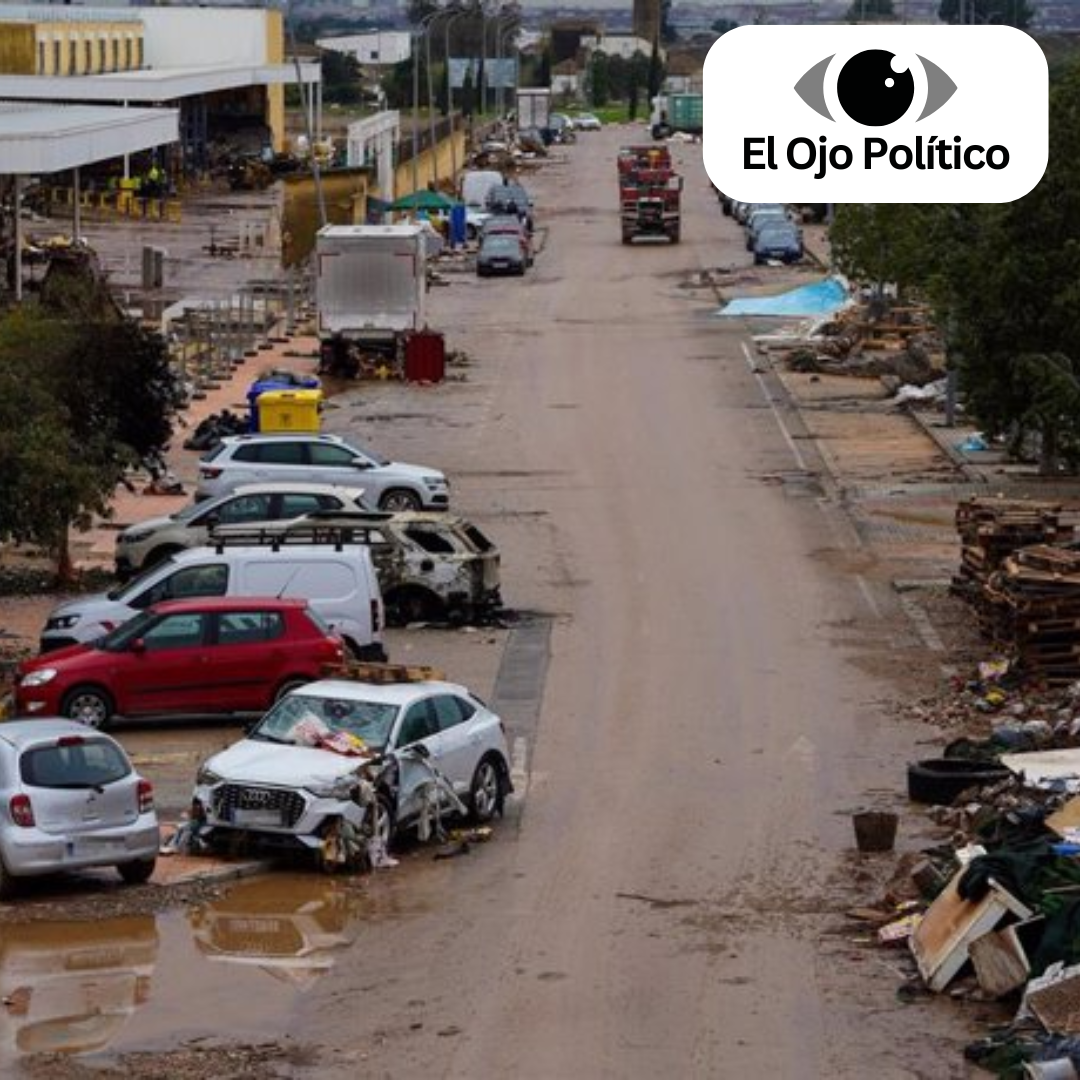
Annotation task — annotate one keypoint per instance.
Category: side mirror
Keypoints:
(212, 520)
(138, 646)
(360, 463)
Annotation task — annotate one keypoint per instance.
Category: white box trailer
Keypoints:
(370, 289)
(533, 107)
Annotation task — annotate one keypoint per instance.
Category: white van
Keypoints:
(338, 580)
(476, 183)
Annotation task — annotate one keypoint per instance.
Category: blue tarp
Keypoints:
(820, 298)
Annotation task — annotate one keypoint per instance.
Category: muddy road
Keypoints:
(701, 700)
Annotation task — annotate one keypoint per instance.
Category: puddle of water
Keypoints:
(235, 964)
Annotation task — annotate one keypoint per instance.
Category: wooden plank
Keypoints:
(1000, 963)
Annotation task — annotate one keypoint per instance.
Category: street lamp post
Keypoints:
(450, 93)
(418, 31)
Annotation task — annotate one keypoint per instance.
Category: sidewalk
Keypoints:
(95, 548)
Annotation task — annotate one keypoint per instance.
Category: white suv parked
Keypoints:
(325, 459)
(300, 771)
(146, 543)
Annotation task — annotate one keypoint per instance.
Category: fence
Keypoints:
(209, 338)
(114, 203)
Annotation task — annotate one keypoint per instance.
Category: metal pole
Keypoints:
(76, 217)
(416, 110)
(18, 239)
(431, 107)
(483, 60)
(450, 96)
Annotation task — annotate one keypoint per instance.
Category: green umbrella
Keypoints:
(423, 200)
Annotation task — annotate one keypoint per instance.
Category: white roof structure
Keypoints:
(49, 138)
(169, 84)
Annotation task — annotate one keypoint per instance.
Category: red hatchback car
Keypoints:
(185, 657)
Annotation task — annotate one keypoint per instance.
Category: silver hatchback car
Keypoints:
(70, 799)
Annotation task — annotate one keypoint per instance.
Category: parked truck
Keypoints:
(534, 108)
(650, 193)
(677, 112)
(370, 293)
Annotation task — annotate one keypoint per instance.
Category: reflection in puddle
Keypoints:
(81, 987)
(290, 928)
(69, 987)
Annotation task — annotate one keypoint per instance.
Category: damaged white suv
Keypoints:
(326, 753)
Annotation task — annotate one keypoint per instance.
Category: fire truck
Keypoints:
(650, 192)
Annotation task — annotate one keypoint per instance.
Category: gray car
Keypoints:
(500, 254)
(70, 799)
(779, 242)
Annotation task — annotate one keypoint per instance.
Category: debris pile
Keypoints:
(991, 529)
(867, 339)
(1024, 583)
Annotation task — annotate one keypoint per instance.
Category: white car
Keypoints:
(587, 122)
(320, 459)
(70, 799)
(148, 542)
(302, 770)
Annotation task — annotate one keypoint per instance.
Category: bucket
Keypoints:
(875, 830)
(1058, 1069)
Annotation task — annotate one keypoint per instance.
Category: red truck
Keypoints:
(649, 193)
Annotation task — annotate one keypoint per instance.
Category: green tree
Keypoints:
(1009, 12)
(99, 396)
(341, 78)
(883, 244)
(599, 88)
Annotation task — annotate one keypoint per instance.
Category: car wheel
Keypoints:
(160, 554)
(938, 781)
(89, 705)
(398, 499)
(411, 604)
(138, 872)
(486, 791)
(9, 885)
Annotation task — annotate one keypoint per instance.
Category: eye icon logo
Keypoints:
(875, 87)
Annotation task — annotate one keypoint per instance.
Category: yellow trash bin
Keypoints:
(289, 410)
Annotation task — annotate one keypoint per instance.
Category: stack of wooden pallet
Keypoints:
(991, 529)
(1035, 598)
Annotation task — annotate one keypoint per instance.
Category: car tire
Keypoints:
(398, 499)
(410, 604)
(138, 872)
(487, 790)
(9, 885)
(89, 705)
(288, 685)
(938, 781)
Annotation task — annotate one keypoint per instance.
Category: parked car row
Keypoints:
(506, 236)
(772, 233)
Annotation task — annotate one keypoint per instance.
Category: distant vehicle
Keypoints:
(211, 655)
(146, 543)
(780, 242)
(509, 225)
(500, 254)
(511, 198)
(475, 184)
(71, 800)
(327, 459)
(762, 218)
(587, 122)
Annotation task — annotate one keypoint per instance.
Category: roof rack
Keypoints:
(382, 674)
(299, 531)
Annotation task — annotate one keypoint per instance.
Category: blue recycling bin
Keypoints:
(458, 229)
(278, 381)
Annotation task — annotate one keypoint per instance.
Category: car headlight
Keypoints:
(62, 622)
(435, 481)
(206, 777)
(39, 677)
(341, 788)
(135, 536)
